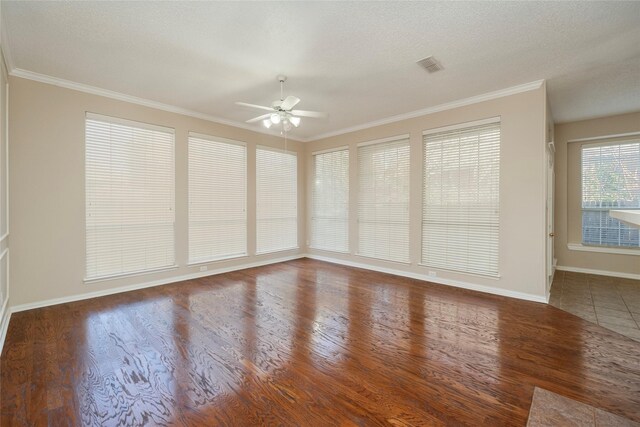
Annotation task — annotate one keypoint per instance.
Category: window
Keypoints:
(460, 212)
(383, 205)
(217, 199)
(129, 197)
(276, 200)
(610, 180)
(330, 201)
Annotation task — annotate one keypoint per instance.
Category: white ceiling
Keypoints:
(355, 60)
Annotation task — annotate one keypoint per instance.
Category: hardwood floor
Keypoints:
(307, 343)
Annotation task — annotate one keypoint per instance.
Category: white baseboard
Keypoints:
(165, 281)
(5, 316)
(599, 272)
(439, 280)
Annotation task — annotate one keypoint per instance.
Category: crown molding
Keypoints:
(67, 84)
(43, 78)
(437, 108)
(4, 46)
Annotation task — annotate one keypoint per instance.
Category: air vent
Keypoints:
(431, 64)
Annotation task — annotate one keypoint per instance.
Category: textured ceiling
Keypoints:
(355, 60)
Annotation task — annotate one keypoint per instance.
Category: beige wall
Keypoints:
(47, 188)
(522, 189)
(4, 212)
(568, 215)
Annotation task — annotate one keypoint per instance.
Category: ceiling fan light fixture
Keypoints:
(281, 112)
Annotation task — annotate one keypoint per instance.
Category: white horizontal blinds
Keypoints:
(460, 223)
(276, 200)
(217, 199)
(383, 200)
(610, 180)
(129, 197)
(330, 201)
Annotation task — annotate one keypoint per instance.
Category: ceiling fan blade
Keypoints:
(261, 107)
(257, 119)
(289, 102)
(304, 113)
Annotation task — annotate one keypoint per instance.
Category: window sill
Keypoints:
(275, 251)
(495, 276)
(328, 250)
(603, 249)
(132, 274)
(210, 261)
(383, 259)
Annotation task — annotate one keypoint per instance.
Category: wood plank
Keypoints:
(307, 343)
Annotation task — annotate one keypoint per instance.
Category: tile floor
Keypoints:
(608, 301)
(550, 409)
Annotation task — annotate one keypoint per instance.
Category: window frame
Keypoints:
(140, 125)
(297, 198)
(218, 140)
(312, 191)
(591, 247)
(459, 127)
(359, 147)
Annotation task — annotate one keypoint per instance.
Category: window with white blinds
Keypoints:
(129, 186)
(276, 200)
(383, 199)
(330, 201)
(610, 180)
(461, 200)
(217, 199)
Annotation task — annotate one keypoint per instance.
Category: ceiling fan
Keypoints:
(281, 112)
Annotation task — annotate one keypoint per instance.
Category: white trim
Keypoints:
(439, 280)
(67, 84)
(90, 280)
(6, 153)
(275, 251)
(597, 138)
(430, 110)
(4, 42)
(330, 150)
(276, 149)
(491, 276)
(607, 143)
(214, 260)
(43, 78)
(216, 139)
(126, 122)
(359, 255)
(465, 125)
(602, 249)
(383, 140)
(4, 236)
(599, 272)
(159, 282)
(5, 317)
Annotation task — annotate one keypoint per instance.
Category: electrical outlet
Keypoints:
(433, 274)
(203, 268)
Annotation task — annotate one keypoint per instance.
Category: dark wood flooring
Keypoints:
(306, 343)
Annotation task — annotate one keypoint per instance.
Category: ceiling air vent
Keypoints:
(431, 64)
